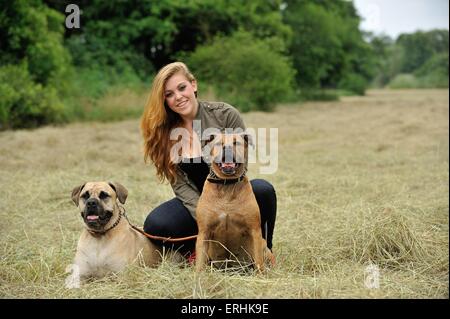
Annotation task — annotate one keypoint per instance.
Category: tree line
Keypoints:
(254, 54)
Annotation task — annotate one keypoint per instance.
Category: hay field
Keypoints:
(360, 182)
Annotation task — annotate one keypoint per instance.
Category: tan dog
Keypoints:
(108, 243)
(228, 217)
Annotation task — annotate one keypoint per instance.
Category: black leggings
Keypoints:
(172, 219)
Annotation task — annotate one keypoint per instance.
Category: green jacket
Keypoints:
(211, 114)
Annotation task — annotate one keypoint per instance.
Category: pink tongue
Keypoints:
(92, 217)
(228, 165)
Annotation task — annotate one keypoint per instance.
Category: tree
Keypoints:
(418, 59)
(34, 64)
(31, 32)
(254, 77)
(327, 46)
(420, 46)
(133, 32)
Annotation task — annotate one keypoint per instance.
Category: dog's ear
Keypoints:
(214, 138)
(248, 138)
(76, 193)
(120, 190)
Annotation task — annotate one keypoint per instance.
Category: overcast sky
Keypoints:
(393, 17)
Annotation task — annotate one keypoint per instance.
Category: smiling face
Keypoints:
(229, 155)
(179, 95)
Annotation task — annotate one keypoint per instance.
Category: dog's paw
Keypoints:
(269, 258)
(73, 280)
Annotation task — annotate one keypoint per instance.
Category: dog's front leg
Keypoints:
(76, 275)
(258, 252)
(201, 251)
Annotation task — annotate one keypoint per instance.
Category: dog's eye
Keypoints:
(103, 195)
(85, 195)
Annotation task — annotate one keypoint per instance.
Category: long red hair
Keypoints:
(158, 120)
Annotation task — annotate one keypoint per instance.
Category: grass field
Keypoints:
(360, 182)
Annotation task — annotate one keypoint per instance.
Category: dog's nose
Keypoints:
(228, 153)
(91, 203)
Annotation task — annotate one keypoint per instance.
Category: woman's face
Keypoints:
(179, 94)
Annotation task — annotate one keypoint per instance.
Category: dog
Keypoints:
(108, 243)
(228, 217)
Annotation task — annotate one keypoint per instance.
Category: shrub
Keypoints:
(24, 103)
(354, 83)
(245, 71)
(31, 33)
(434, 72)
(318, 95)
(404, 81)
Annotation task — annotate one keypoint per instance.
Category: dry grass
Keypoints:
(360, 181)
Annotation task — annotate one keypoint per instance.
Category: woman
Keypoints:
(173, 104)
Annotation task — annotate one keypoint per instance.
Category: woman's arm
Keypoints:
(186, 192)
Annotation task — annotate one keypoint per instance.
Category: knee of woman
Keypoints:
(155, 225)
(262, 186)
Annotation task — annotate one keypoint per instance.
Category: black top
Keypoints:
(197, 171)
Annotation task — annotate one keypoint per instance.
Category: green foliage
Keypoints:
(354, 83)
(246, 71)
(35, 65)
(33, 33)
(434, 72)
(417, 60)
(25, 103)
(94, 82)
(318, 95)
(147, 33)
(419, 47)
(267, 48)
(91, 85)
(404, 81)
(327, 45)
(389, 59)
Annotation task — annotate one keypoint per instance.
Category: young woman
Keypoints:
(173, 104)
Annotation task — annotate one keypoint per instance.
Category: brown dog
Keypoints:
(228, 217)
(108, 243)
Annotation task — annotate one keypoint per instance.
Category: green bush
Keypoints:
(95, 55)
(404, 81)
(95, 81)
(35, 66)
(31, 33)
(434, 72)
(318, 95)
(24, 103)
(246, 72)
(354, 83)
(90, 85)
(415, 60)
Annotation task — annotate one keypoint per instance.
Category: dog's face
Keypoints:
(229, 155)
(97, 202)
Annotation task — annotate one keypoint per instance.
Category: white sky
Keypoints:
(393, 17)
